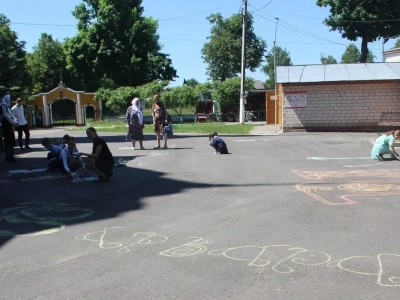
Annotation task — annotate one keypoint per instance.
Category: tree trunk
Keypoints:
(364, 51)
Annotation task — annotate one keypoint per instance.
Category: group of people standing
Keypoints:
(12, 118)
(135, 123)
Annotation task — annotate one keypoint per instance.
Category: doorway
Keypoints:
(62, 112)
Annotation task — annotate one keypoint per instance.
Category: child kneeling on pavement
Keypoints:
(71, 161)
(217, 143)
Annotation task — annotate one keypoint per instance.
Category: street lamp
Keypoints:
(276, 29)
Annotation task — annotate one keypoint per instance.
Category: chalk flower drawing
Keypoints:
(50, 216)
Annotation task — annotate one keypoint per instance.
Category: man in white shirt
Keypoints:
(19, 114)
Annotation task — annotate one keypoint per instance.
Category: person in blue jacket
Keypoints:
(217, 143)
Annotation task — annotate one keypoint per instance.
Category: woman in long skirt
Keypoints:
(134, 123)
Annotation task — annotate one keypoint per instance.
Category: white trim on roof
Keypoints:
(338, 73)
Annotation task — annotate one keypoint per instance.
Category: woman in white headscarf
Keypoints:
(8, 123)
(134, 123)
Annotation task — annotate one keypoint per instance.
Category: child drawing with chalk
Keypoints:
(217, 143)
(385, 145)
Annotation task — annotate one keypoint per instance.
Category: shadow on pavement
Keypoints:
(36, 204)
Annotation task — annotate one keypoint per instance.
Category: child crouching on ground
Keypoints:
(53, 157)
(217, 143)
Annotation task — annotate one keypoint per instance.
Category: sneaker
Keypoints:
(133, 148)
(27, 147)
(380, 157)
(21, 148)
(165, 147)
(158, 147)
(142, 148)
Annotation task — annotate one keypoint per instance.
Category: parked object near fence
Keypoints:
(390, 120)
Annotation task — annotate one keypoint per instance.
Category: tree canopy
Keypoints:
(45, 63)
(227, 93)
(12, 57)
(328, 60)
(282, 59)
(222, 52)
(368, 20)
(116, 44)
(352, 55)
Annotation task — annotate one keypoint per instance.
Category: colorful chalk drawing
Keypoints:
(348, 173)
(332, 193)
(344, 193)
(49, 218)
(281, 259)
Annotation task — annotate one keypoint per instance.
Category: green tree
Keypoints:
(116, 44)
(12, 58)
(227, 93)
(356, 19)
(44, 64)
(180, 97)
(118, 99)
(282, 57)
(190, 82)
(352, 55)
(397, 44)
(328, 60)
(222, 52)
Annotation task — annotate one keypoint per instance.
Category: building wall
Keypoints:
(392, 57)
(342, 105)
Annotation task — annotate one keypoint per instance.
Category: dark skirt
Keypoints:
(135, 133)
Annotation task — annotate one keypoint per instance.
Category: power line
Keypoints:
(264, 5)
(200, 13)
(347, 21)
(174, 18)
(35, 24)
(301, 31)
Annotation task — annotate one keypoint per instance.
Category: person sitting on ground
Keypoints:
(53, 157)
(70, 159)
(385, 145)
(217, 143)
(100, 160)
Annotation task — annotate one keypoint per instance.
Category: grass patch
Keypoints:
(177, 128)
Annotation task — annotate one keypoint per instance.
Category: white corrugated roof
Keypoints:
(338, 72)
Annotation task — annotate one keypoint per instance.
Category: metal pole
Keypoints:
(276, 100)
(243, 71)
(383, 49)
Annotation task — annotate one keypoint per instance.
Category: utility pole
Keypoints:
(243, 79)
(276, 98)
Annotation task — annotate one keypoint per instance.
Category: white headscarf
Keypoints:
(6, 99)
(136, 109)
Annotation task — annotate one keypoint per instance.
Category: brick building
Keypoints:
(337, 97)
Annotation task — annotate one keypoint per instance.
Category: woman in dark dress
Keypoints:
(134, 123)
(100, 160)
(159, 119)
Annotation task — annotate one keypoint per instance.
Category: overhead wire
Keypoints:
(200, 13)
(167, 19)
(265, 5)
(347, 21)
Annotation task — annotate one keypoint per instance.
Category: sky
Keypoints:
(184, 28)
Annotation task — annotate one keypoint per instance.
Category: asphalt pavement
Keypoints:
(294, 216)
